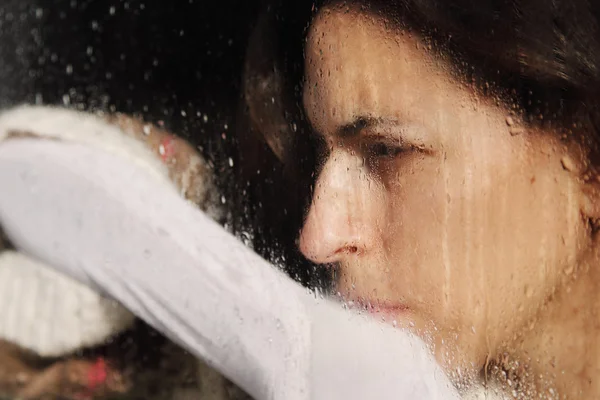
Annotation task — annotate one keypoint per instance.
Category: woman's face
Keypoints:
(431, 207)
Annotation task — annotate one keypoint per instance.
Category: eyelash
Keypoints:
(377, 150)
(385, 150)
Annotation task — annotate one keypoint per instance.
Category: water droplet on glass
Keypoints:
(22, 378)
(569, 270)
(230, 162)
(568, 163)
(515, 130)
(246, 238)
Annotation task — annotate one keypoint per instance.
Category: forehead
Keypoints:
(359, 64)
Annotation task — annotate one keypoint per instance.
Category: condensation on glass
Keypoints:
(429, 163)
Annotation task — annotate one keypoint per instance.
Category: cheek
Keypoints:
(533, 233)
(423, 237)
(469, 236)
(437, 262)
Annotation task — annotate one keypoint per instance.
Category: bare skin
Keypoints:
(446, 216)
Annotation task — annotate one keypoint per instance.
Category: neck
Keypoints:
(559, 353)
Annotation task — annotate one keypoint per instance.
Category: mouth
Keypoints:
(380, 309)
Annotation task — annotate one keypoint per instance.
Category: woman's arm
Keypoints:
(103, 220)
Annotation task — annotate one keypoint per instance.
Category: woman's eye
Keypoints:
(384, 150)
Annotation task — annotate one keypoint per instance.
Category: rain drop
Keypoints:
(514, 131)
(568, 163)
(246, 237)
(569, 270)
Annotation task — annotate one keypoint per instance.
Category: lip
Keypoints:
(375, 307)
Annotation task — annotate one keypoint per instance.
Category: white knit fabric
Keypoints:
(44, 311)
(51, 314)
(85, 128)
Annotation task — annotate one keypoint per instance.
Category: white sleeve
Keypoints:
(102, 220)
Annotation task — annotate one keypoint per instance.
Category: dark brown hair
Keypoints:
(543, 56)
(540, 57)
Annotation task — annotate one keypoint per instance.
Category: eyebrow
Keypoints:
(359, 124)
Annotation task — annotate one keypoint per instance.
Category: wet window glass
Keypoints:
(299, 180)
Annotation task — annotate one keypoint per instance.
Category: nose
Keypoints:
(341, 218)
